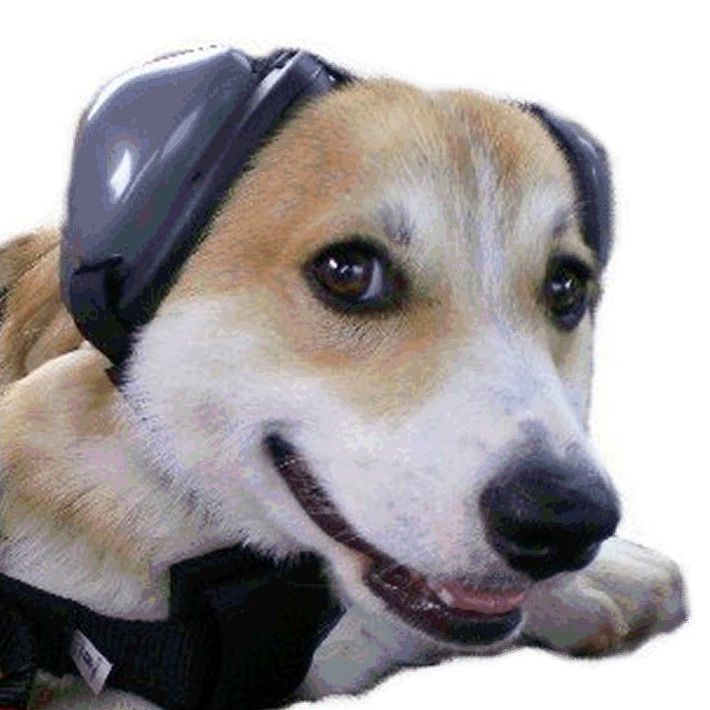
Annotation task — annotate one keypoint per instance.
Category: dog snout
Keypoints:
(545, 518)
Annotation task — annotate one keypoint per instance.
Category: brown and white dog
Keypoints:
(420, 417)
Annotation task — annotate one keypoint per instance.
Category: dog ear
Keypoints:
(589, 163)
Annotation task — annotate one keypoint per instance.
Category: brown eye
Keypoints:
(566, 292)
(353, 276)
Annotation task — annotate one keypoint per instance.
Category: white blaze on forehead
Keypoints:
(423, 218)
(475, 233)
(487, 226)
(512, 226)
(546, 209)
(410, 207)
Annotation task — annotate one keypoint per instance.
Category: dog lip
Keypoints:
(475, 618)
(311, 496)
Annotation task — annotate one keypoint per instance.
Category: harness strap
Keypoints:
(241, 634)
(165, 661)
(18, 662)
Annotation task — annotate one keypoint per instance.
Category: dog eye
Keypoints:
(353, 276)
(566, 291)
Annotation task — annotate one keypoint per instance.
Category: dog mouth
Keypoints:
(448, 610)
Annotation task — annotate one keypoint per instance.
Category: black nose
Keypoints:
(545, 517)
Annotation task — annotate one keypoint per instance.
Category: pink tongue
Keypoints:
(459, 596)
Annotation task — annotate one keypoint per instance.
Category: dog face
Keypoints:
(381, 351)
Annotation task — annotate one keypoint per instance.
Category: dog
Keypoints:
(396, 304)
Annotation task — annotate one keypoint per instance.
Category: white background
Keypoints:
(636, 75)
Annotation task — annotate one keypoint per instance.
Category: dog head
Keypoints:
(381, 351)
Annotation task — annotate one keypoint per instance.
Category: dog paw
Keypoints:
(361, 651)
(626, 595)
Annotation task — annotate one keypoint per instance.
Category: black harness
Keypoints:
(154, 155)
(241, 633)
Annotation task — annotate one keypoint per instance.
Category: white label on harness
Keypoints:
(94, 668)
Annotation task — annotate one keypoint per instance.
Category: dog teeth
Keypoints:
(445, 596)
(459, 596)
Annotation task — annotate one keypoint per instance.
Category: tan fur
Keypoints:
(63, 401)
(35, 327)
(54, 399)
(70, 464)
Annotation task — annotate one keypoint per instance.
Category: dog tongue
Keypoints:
(459, 596)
